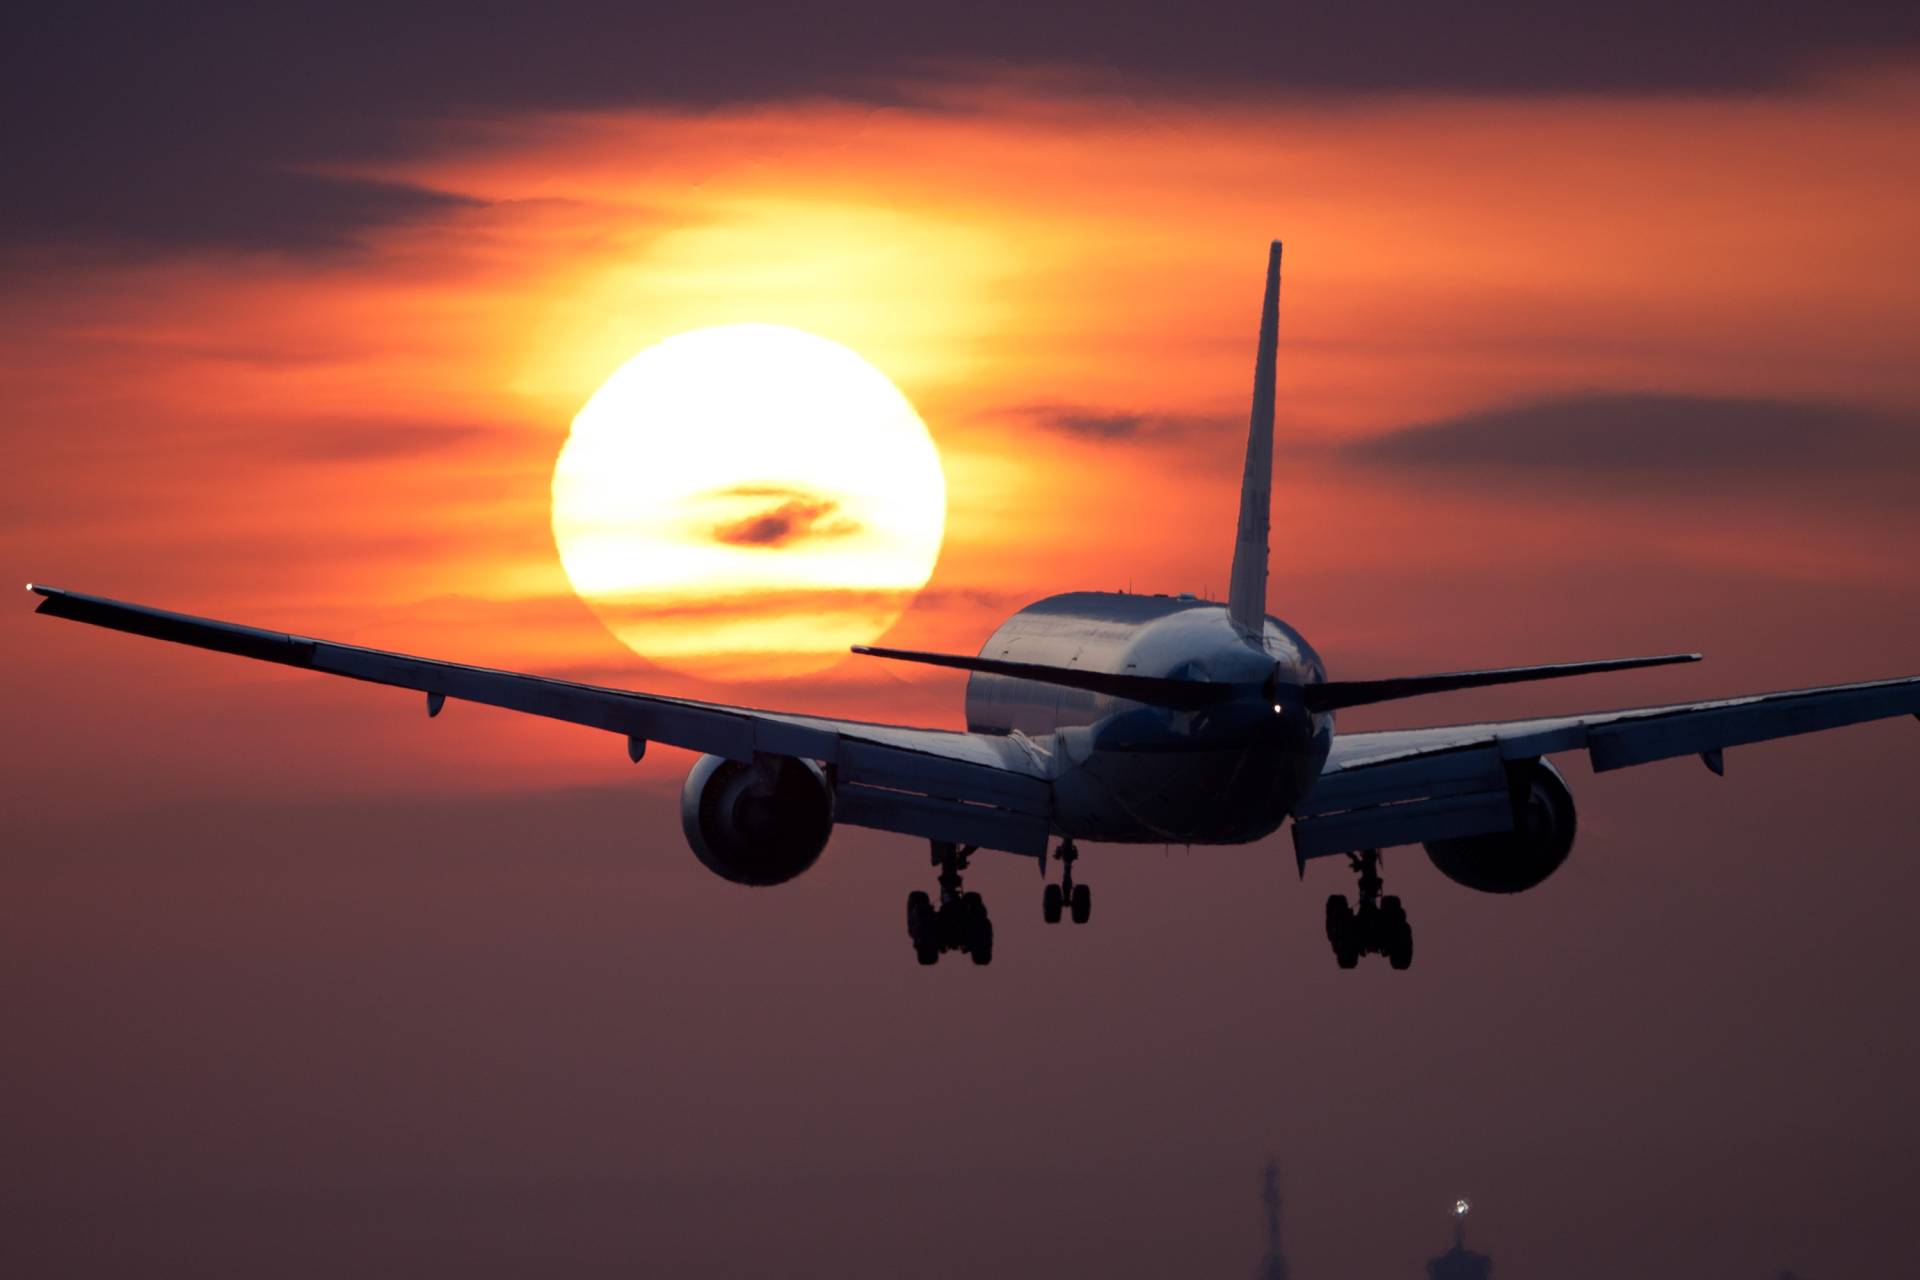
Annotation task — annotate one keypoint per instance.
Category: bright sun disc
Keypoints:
(748, 500)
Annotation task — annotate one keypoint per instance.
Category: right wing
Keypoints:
(989, 790)
(1408, 786)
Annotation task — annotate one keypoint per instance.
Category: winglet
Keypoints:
(1247, 589)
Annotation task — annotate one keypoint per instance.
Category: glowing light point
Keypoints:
(1460, 1208)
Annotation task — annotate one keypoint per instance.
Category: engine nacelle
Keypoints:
(756, 823)
(1517, 860)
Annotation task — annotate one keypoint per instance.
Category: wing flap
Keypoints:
(1453, 773)
(1444, 817)
(1440, 797)
(895, 769)
(939, 818)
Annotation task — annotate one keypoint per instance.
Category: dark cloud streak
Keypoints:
(1656, 437)
(798, 519)
(162, 129)
(1090, 423)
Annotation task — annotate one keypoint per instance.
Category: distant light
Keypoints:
(1460, 1208)
(1279, 710)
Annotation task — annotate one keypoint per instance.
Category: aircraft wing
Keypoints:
(1407, 786)
(988, 790)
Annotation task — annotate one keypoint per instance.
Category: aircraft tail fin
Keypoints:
(1247, 590)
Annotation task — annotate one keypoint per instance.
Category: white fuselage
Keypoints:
(1134, 773)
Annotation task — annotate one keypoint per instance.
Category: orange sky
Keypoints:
(1597, 338)
(360, 445)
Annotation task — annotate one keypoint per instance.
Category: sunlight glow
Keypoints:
(748, 500)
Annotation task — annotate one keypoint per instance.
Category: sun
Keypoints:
(747, 501)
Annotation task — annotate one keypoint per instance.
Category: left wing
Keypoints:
(1407, 786)
(989, 790)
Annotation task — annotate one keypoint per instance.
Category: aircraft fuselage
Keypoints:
(1133, 773)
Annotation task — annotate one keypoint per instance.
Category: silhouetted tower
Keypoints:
(1274, 1265)
(1460, 1262)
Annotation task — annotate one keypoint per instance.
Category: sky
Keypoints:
(1597, 338)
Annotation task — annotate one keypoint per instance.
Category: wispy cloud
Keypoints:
(1655, 435)
(1088, 422)
(375, 441)
(176, 168)
(796, 517)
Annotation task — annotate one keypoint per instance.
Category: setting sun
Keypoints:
(748, 500)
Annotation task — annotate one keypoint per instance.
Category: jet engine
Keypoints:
(759, 823)
(1517, 860)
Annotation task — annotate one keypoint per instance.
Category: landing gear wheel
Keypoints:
(1376, 926)
(981, 948)
(1343, 932)
(1396, 935)
(1400, 954)
(959, 923)
(1075, 899)
(922, 928)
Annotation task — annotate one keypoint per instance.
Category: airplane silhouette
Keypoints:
(1116, 718)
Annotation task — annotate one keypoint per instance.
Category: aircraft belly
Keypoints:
(1226, 795)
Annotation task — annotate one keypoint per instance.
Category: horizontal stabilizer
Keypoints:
(1158, 691)
(1334, 694)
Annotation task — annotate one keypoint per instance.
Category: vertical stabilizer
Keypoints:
(1247, 590)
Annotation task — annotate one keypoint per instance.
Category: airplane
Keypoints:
(1115, 718)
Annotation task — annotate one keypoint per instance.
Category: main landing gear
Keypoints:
(1380, 925)
(1076, 899)
(960, 922)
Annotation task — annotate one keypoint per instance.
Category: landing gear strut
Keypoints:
(1077, 899)
(960, 922)
(1378, 927)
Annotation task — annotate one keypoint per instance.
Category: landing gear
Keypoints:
(1075, 899)
(959, 923)
(1378, 927)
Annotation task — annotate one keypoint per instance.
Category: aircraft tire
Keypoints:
(1343, 931)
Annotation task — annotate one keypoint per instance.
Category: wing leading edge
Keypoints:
(981, 789)
(1406, 786)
